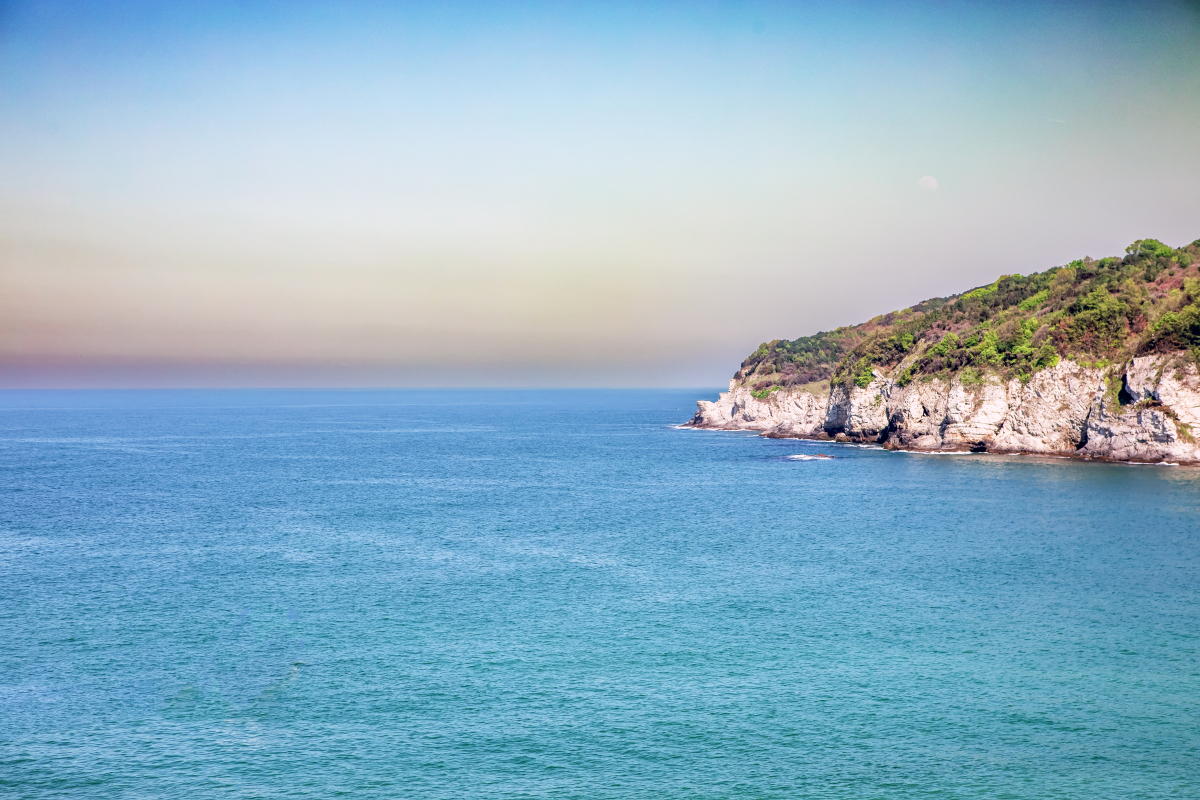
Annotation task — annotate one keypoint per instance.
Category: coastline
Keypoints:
(687, 426)
(1068, 411)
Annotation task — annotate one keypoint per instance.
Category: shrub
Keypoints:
(988, 351)
(949, 342)
(1030, 303)
(982, 291)
(1180, 328)
(1047, 357)
(972, 377)
(863, 373)
(1100, 319)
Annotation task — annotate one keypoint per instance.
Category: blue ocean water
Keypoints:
(528, 594)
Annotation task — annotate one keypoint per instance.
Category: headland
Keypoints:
(1094, 359)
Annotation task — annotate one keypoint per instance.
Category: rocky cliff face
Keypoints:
(1157, 419)
(1067, 409)
(790, 412)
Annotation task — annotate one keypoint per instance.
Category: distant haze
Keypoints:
(554, 193)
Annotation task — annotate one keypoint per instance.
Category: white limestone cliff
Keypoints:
(1064, 410)
(797, 412)
(1157, 421)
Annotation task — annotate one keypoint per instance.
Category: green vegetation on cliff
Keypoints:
(1094, 312)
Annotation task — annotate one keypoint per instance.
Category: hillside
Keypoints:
(1095, 312)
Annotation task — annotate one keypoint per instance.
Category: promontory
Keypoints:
(1095, 359)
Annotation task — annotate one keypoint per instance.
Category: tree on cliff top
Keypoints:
(1093, 311)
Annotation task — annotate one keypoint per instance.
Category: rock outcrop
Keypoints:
(795, 413)
(1067, 409)
(1157, 419)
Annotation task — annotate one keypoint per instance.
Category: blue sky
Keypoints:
(554, 194)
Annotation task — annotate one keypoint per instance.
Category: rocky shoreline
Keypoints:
(1145, 412)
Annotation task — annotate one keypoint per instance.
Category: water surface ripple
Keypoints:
(519, 594)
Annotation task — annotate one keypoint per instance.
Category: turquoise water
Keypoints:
(512, 594)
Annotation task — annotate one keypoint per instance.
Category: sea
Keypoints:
(563, 594)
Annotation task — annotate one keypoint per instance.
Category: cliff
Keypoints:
(1095, 359)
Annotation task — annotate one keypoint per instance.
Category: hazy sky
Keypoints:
(555, 193)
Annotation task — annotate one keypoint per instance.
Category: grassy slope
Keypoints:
(1095, 312)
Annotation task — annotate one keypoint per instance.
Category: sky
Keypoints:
(555, 194)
